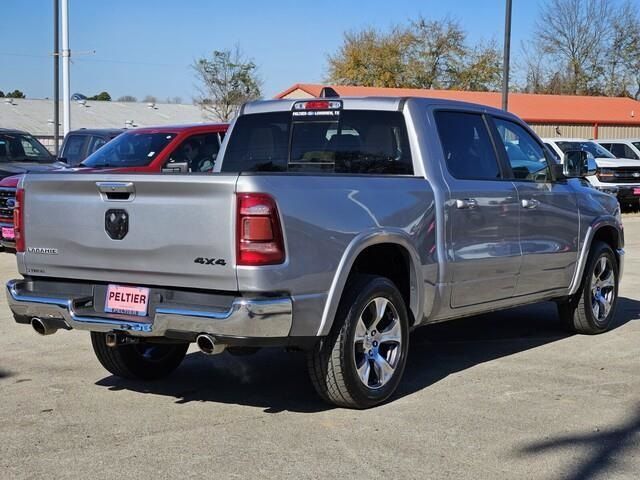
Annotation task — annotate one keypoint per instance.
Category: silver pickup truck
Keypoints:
(332, 225)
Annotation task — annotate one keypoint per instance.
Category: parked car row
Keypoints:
(170, 149)
(335, 226)
(616, 175)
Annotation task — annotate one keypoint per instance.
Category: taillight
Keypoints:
(259, 235)
(18, 220)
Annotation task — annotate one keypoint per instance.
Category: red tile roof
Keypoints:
(533, 108)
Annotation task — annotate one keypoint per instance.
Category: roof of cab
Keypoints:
(388, 103)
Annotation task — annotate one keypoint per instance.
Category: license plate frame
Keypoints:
(127, 300)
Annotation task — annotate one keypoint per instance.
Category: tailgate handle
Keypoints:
(121, 191)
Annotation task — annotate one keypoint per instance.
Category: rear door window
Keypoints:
(621, 150)
(467, 147)
(331, 141)
(74, 149)
(617, 149)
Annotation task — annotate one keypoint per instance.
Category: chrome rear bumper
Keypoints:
(257, 318)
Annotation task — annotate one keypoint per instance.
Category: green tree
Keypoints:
(227, 80)
(437, 52)
(481, 69)
(16, 94)
(372, 58)
(423, 54)
(1, 94)
(102, 97)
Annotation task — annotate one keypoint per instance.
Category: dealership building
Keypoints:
(36, 116)
(548, 115)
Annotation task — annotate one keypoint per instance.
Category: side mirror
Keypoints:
(175, 167)
(578, 164)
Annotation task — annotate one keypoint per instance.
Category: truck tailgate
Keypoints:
(174, 226)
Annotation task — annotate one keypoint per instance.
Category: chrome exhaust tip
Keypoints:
(207, 345)
(43, 327)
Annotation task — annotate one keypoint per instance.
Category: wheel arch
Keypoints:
(365, 247)
(606, 229)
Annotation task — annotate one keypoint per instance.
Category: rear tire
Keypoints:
(361, 362)
(138, 361)
(591, 311)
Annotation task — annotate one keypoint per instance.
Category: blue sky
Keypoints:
(146, 46)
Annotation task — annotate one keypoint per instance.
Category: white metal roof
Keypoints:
(36, 116)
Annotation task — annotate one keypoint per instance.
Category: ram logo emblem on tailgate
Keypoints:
(116, 223)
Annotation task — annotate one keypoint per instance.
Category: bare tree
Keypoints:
(227, 80)
(150, 99)
(127, 98)
(533, 63)
(575, 33)
(623, 56)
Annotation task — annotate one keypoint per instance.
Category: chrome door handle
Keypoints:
(529, 203)
(467, 203)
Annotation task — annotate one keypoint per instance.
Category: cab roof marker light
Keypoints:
(318, 105)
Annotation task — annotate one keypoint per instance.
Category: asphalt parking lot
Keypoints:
(505, 395)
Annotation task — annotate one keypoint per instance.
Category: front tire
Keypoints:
(361, 362)
(592, 310)
(138, 361)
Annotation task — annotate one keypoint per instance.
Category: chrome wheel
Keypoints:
(603, 289)
(377, 343)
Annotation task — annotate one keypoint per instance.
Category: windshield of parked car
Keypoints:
(19, 147)
(131, 149)
(329, 141)
(593, 148)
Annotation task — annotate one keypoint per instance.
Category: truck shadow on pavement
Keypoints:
(277, 381)
(605, 448)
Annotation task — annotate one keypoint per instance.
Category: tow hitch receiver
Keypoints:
(113, 339)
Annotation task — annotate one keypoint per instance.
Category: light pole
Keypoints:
(66, 54)
(507, 53)
(56, 76)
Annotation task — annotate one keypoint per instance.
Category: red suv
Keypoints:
(170, 149)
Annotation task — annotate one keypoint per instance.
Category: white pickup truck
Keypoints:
(618, 176)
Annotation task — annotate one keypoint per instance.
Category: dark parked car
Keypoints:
(20, 153)
(79, 144)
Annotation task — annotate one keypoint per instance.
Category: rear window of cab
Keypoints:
(324, 141)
